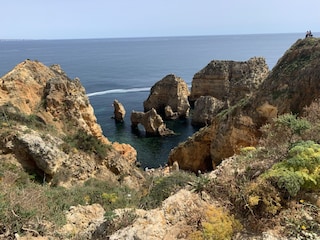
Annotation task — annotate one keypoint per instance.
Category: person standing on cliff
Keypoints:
(309, 34)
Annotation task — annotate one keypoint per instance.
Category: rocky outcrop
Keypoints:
(45, 99)
(47, 92)
(170, 91)
(44, 152)
(294, 81)
(177, 218)
(152, 123)
(194, 153)
(119, 111)
(292, 85)
(169, 113)
(229, 80)
(205, 109)
(82, 221)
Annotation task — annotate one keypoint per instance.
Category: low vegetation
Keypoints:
(276, 183)
(85, 142)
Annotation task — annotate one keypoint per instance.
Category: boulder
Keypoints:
(170, 91)
(83, 221)
(169, 114)
(119, 111)
(177, 218)
(205, 109)
(151, 121)
(39, 152)
(229, 80)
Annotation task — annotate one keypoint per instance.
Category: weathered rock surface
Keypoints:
(205, 109)
(119, 111)
(170, 221)
(294, 81)
(170, 91)
(45, 94)
(44, 152)
(229, 80)
(152, 122)
(194, 153)
(292, 85)
(82, 221)
(169, 113)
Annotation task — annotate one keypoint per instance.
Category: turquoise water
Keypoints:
(125, 69)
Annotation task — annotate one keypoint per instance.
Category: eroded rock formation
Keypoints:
(33, 93)
(119, 111)
(152, 123)
(194, 153)
(83, 221)
(170, 91)
(205, 109)
(42, 151)
(292, 85)
(229, 80)
(170, 221)
(47, 92)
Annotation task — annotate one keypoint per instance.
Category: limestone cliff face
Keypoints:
(292, 84)
(194, 154)
(294, 81)
(229, 79)
(205, 109)
(170, 91)
(46, 93)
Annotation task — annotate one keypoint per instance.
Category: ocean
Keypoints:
(126, 68)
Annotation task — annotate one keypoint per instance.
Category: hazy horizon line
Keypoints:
(144, 37)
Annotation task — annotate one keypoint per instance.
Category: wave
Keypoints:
(145, 89)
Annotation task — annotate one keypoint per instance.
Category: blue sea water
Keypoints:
(126, 68)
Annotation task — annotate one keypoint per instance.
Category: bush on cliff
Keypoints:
(25, 205)
(299, 171)
(85, 142)
(163, 186)
(217, 224)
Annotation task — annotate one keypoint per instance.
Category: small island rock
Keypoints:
(170, 91)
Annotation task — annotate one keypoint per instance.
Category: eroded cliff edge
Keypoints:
(291, 85)
(46, 115)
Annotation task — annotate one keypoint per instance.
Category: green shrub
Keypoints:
(261, 198)
(201, 183)
(85, 142)
(164, 186)
(300, 171)
(296, 125)
(10, 114)
(284, 131)
(26, 203)
(216, 225)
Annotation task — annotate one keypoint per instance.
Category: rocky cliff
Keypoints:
(242, 198)
(171, 91)
(34, 96)
(291, 85)
(229, 80)
(294, 81)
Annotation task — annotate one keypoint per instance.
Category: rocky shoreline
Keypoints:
(48, 128)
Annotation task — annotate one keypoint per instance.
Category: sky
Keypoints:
(74, 19)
